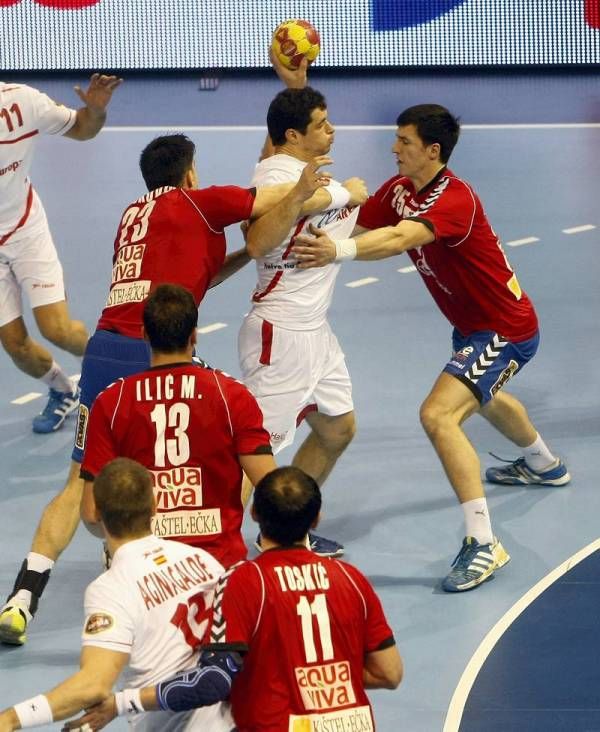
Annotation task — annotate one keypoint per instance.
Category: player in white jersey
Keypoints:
(289, 357)
(149, 612)
(28, 260)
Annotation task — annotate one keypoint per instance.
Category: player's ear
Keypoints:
(154, 506)
(193, 338)
(316, 522)
(253, 513)
(291, 136)
(144, 334)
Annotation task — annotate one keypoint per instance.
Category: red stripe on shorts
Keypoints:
(24, 218)
(267, 342)
(307, 409)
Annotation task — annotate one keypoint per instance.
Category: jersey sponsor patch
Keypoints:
(177, 524)
(507, 374)
(130, 292)
(98, 623)
(326, 686)
(358, 718)
(83, 417)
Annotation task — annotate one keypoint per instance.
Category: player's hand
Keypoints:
(292, 78)
(312, 178)
(95, 717)
(99, 92)
(313, 251)
(358, 191)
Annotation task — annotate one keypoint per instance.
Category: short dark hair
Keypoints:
(434, 123)
(292, 109)
(170, 316)
(166, 160)
(286, 503)
(124, 497)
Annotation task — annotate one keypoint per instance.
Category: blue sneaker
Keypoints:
(519, 473)
(474, 564)
(321, 546)
(60, 405)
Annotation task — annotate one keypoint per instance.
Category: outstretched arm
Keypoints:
(319, 249)
(91, 118)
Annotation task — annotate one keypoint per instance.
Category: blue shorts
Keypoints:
(108, 356)
(485, 361)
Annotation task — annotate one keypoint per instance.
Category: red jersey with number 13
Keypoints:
(170, 235)
(187, 425)
(465, 268)
(308, 623)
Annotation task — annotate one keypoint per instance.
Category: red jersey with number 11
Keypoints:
(187, 425)
(308, 623)
(174, 236)
(465, 268)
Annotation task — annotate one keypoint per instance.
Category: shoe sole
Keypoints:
(329, 555)
(11, 635)
(563, 480)
(501, 558)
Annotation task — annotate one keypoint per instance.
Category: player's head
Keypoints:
(286, 505)
(124, 498)
(297, 119)
(433, 125)
(170, 319)
(168, 161)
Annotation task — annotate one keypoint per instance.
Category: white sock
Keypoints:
(56, 378)
(38, 562)
(538, 456)
(477, 520)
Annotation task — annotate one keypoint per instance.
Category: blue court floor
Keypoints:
(530, 148)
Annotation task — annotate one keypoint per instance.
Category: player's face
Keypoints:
(413, 157)
(319, 134)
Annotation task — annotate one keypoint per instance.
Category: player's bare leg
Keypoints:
(442, 414)
(55, 325)
(538, 464)
(328, 438)
(54, 533)
(27, 355)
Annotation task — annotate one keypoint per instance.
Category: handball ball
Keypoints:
(295, 39)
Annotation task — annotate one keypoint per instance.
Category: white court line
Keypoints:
(360, 128)
(459, 698)
(521, 242)
(406, 270)
(363, 282)
(578, 229)
(211, 328)
(26, 398)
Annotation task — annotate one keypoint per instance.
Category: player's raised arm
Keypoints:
(270, 230)
(91, 118)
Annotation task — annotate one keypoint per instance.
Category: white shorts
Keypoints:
(29, 263)
(293, 372)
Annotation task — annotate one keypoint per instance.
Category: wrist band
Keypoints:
(345, 249)
(339, 195)
(128, 702)
(34, 712)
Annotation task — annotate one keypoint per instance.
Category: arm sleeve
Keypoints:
(107, 622)
(378, 634)
(224, 205)
(379, 211)
(51, 117)
(100, 446)
(451, 214)
(249, 434)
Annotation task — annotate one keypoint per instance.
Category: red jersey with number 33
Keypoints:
(308, 623)
(465, 268)
(170, 235)
(187, 425)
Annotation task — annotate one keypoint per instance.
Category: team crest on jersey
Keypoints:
(98, 623)
(507, 374)
(82, 422)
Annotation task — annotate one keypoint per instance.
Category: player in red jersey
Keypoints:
(438, 219)
(295, 638)
(193, 427)
(172, 234)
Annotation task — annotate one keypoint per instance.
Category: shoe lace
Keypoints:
(503, 460)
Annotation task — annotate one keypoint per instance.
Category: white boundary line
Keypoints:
(211, 328)
(521, 242)
(362, 282)
(459, 698)
(29, 397)
(360, 128)
(578, 229)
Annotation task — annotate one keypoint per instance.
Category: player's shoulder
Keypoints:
(277, 167)
(391, 185)
(350, 571)
(455, 183)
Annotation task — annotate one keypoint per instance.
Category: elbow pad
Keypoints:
(208, 683)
